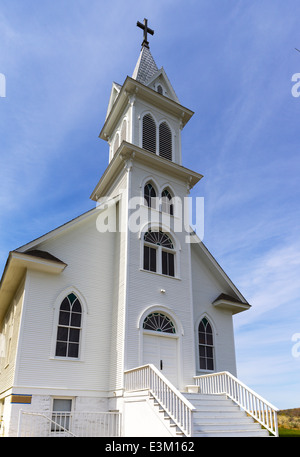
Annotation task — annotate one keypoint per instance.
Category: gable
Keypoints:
(208, 276)
(161, 84)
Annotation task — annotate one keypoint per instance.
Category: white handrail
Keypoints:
(255, 405)
(148, 377)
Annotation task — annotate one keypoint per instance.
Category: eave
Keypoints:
(15, 269)
(230, 304)
(128, 151)
(150, 96)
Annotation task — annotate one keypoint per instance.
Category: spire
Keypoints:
(145, 67)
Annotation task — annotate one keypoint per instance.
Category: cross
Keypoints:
(146, 30)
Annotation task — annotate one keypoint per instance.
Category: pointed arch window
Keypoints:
(149, 195)
(166, 202)
(165, 141)
(123, 131)
(159, 322)
(159, 253)
(206, 345)
(116, 143)
(149, 133)
(69, 327)
(159, 89)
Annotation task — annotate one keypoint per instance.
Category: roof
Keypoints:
(145, 67)
(42, 255)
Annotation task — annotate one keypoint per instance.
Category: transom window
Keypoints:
(206, 347)
(159, 255)
(159, 322)
(69, 327)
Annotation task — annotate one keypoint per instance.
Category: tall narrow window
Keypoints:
(116, 143)
(206, 347)
(149, 195)
(123, 131)
(149, 133)
(159, 255)
(165, 141)
(69, 327)
(166, 202)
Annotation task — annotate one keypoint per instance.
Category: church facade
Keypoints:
(125, 285)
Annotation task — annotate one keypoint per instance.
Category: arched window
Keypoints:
(149, 133)
(159, 322)
(206, 346)
(166, 202)
(159, 89)
(123, 131)
(116, 143)
(159, 255)
(165, 141)
(69, 327)
(149, 195)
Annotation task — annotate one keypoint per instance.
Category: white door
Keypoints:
(161, 351)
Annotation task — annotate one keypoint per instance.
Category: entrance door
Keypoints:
(161, 351)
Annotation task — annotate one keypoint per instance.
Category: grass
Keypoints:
(288, 433)
(289, 422)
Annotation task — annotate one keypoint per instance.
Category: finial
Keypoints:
(146, 31)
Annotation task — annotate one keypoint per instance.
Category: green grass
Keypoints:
(287, 432)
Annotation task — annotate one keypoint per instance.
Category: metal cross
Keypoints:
(146, 30)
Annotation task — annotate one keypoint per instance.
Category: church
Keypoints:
(120, 322)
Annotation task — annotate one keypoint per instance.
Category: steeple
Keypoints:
(145, 67)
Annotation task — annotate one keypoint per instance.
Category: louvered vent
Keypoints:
(165, 141)
(149, 133)
(159, 89)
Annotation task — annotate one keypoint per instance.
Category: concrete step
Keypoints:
(217, 415)
(233, 433)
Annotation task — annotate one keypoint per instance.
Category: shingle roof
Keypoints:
(145, 67)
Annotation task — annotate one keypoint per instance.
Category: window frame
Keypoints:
(159, 249)
(206, 346)
(84, 312)
(69, 325)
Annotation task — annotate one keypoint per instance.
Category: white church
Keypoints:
(120, 322)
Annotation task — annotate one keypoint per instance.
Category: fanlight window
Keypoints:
(159, 253)
(159, 238)
(165, 141)
(206, 348)
(149, 133)
(149, 195)
(69, 327)
(158, 322)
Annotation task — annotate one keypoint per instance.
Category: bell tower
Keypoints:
(148, 184)
(145, 110)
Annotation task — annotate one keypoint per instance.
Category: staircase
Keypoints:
(218, 404)
(218, 416)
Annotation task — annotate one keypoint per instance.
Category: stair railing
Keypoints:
(254, 405)
(148, 377)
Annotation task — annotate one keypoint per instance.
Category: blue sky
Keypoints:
(231, 62)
